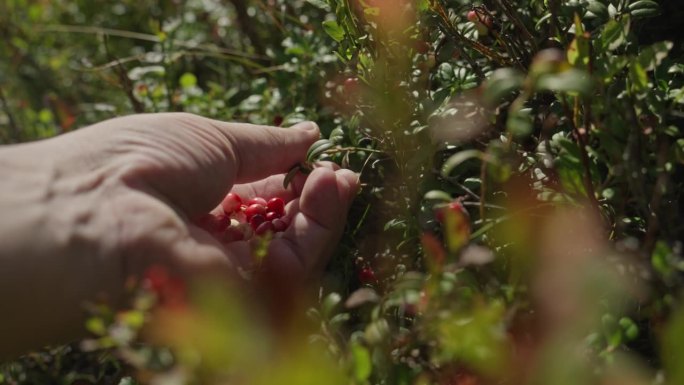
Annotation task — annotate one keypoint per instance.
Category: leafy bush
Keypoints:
(522, 181)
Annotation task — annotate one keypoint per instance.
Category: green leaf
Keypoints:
(475, 337)
(614, 33)
(643, 4)
(660, 259)
(519, 122)
(629, 328)
(45, 116)
(423, 5)
(459, 158)
(571, 174)
(437, 195)
(611, 330)
(362, 362)
(336, 135)
(372, 11)
(329, 304)
(293, 172)
(188, 80)
(318, 148)
(651, 57)
(138, 73)
(578, 52)
(96, 326)
(376, 331)
(598, 9)
(500, 84)
(394, 224)
(611, 66)
(319, 4)
(672, 346)
(134, 319)
(638, 76)
(643, 9)
(573, 81)
(334, 30)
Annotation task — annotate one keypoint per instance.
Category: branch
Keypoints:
(582, 144)
(14, 128)
(126, 82)
(247, 25)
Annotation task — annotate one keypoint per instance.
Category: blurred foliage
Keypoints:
(522, 164)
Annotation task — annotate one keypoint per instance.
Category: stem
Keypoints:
(510, 12)
(483, 189)
(343, 149)
(656, 199)
(581, 142)
(126, 82)
(449, 29)
(14, 128)
(247, 26)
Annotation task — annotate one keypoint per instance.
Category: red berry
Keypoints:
(256, 201)
(351, 85)
(367, 275)
(276, 205)
(256, 220)
(487, 21)
(277, 120)
(455, 207)
(264, 228)
(231, 203)
(422, 47)
(156, 277)
(270, 215)
(173, 294)
(279, 225)
(255, 209)
(472, 16)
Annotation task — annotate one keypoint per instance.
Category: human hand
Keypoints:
(119, 196)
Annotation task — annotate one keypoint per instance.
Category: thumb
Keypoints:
(261, 151)
(182, 150)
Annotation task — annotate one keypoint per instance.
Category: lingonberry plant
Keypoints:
(522, 168)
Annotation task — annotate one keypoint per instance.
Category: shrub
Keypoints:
(521, 166)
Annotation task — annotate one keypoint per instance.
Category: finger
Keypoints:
(261, 151)
(316, 226)
(272, 186)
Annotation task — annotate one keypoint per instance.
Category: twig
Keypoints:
(581, 142)
(359, 149)
(14, 128)
(656, 199)
(450, 30)
(510, 12)
(247, 25)
(126, 82)
(483, 189)
(587, 99)
(145, 37)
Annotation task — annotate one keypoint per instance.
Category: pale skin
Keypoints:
(83, 212)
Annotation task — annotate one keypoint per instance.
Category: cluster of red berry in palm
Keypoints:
(239, 220)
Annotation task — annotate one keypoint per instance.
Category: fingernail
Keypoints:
(306, 126)
(349, 175)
